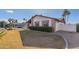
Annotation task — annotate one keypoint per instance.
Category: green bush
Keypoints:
(44, 29)
(77, 27)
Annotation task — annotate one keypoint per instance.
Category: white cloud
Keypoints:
(41, 11)
(38, 11)
(9, 11)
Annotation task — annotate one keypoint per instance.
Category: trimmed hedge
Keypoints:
(44, 29)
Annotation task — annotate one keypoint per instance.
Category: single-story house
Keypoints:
(56, 24)
(39, 20)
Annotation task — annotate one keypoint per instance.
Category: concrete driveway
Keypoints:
(71, 37)
(36, 39)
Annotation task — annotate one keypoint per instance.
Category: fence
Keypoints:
(65, 27)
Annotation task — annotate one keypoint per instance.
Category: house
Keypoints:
(56, 24)
(20, 25)
(39, 20)
(42, 21)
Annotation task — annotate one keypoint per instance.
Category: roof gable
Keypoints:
(62, 20)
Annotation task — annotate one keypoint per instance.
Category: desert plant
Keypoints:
(2, 33)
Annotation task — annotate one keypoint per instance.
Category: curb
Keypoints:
(66, 42)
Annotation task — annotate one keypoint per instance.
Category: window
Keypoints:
(45, 23)
(37, 23)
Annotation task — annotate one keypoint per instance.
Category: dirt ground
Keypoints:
(11, 40)
(35, 39)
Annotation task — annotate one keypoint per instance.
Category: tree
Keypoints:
(12, 22)
(16, 21)
(24, 19)
(2, 24)
(66, 14)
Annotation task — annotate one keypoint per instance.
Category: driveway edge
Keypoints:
(66, 42)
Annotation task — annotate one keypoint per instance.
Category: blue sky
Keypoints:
(28, 13)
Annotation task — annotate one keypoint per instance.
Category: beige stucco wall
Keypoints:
(40, 19)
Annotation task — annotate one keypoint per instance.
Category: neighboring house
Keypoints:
(42, 21)
(20, 25)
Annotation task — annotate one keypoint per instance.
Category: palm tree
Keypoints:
(66, 14)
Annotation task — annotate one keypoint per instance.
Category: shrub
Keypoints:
(77, 27)
(44, 29)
